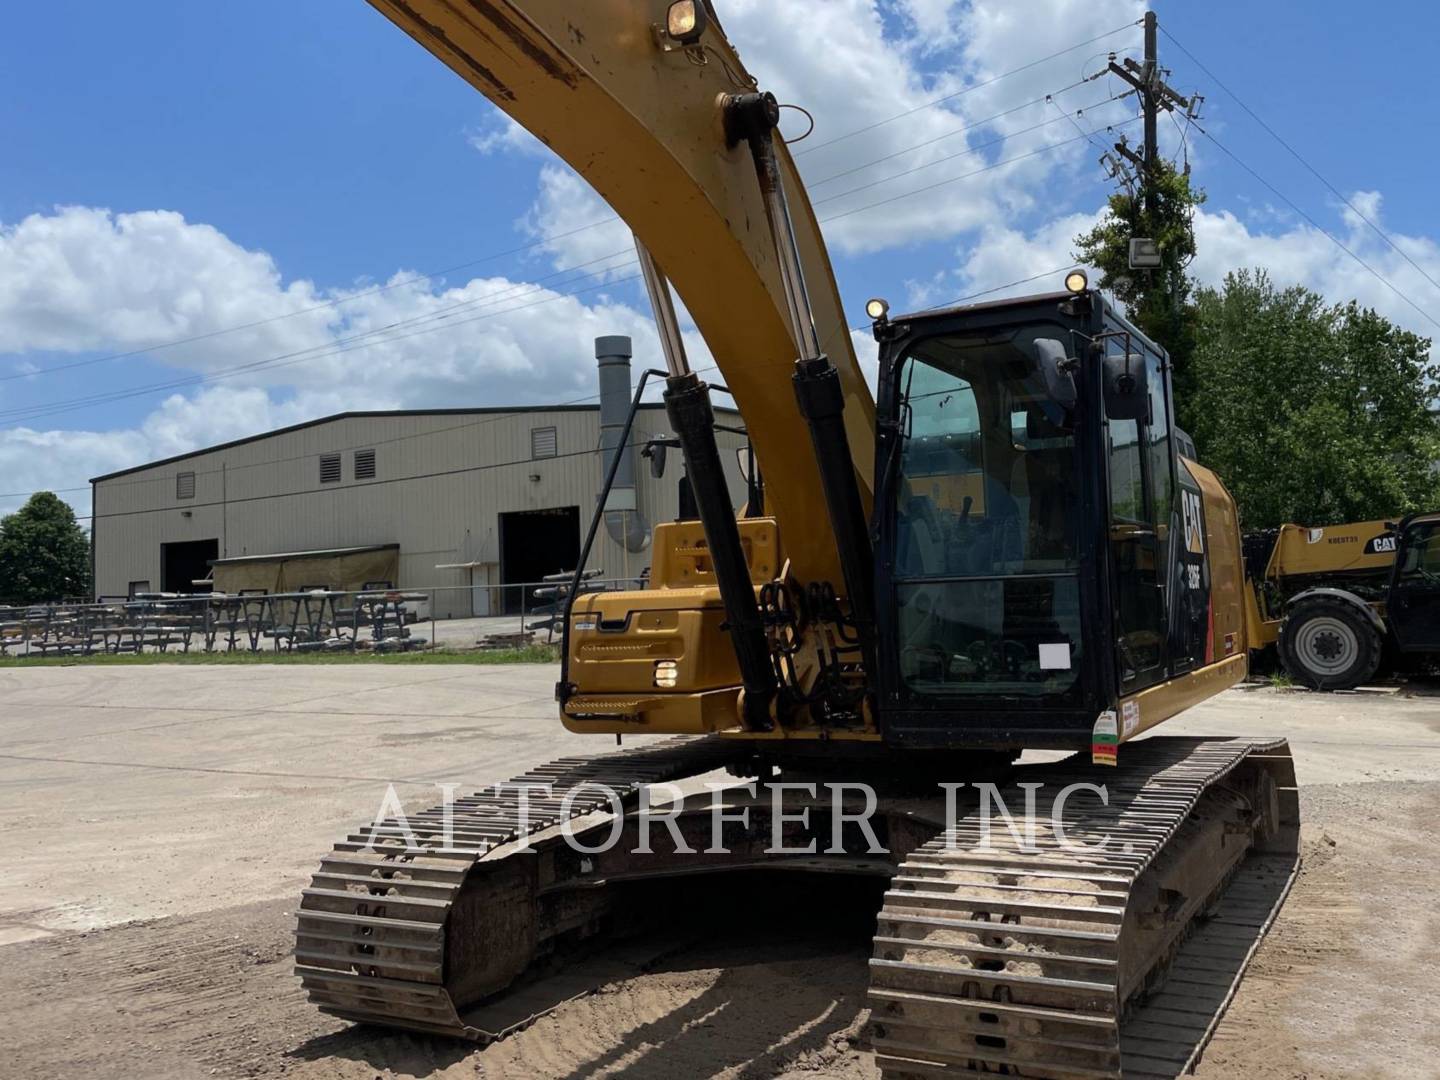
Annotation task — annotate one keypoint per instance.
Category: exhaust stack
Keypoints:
(623, 520)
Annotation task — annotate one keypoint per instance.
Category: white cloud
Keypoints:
(32, 459)
(860, 79)
(83, 279)
(1366, 203)
(1001, 255)
(1292, 253)
(934, 22)
(1303, 255)
(563, 214)
(500, 134)
(836, 59)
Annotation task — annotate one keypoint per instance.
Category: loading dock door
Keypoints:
(534, 543)
(183, 564)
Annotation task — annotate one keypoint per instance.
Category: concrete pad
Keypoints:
(117, 804)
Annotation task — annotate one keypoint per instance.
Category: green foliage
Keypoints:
(1311, 413)
(1281, 680)
(1158, 301)
(44, 554)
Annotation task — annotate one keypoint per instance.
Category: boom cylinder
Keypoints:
(752, 118)
(687, 400)
(822, 404)
(663, 305)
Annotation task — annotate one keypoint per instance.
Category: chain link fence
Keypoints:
(369, 620)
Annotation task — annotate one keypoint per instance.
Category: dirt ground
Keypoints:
(159, 823)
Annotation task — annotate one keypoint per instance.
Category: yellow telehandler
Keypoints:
(1340, 601)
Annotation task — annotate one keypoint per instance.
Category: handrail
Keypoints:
(563, 688)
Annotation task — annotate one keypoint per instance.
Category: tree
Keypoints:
(1158, 301)
(44, 554)
(1312, 413)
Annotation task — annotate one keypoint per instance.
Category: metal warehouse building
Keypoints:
(462, 500)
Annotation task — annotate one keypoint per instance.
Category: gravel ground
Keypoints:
(160, 822)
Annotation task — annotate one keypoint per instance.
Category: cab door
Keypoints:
(1414, 606)
(1140, 467)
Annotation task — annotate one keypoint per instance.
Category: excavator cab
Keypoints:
(1040, 544)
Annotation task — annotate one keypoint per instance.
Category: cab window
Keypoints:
(1422, 554)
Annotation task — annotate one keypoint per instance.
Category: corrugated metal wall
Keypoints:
(442, 480)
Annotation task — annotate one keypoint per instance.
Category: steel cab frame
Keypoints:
(945, 719)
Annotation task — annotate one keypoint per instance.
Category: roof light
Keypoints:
(877, 309)
(1077, 282)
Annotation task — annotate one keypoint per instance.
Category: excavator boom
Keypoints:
(644, 127)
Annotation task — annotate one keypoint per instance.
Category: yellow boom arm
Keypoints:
(643, 126)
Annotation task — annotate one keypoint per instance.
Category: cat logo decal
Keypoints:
(1194, 522)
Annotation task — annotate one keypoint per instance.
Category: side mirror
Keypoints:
(1127, 388)
(1057, 369)
(656, 452)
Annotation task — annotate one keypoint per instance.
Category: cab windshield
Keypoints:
(986, 523)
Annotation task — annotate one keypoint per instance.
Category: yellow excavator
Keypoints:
(1003, 550)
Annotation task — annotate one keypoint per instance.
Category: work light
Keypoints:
(685, 21)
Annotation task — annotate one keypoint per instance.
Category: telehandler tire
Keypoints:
(1329, 644)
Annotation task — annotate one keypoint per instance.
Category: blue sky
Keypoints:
(305, 150)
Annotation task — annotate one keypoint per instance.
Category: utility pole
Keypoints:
(1150, 72)
(1148, 80)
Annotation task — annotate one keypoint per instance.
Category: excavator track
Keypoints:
(1037, 959)
(407, 935)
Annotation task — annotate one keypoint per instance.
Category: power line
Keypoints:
(530, 461)
(317, 352)
(950, 134)
(1300, 158)
(961, 93)
(358, 341)
(316, 307)
(968, 151)
(539, 242)
(998, 288)
(495, 418)
(500, 413)
(988, 168)
(1333, 238)
(523, 287)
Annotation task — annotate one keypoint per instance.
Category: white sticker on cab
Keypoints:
(1055, 657)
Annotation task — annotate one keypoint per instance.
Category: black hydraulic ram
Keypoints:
(752, 118)
(687, 400)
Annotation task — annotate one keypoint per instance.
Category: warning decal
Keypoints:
(1130, 714)
(1104, 739)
